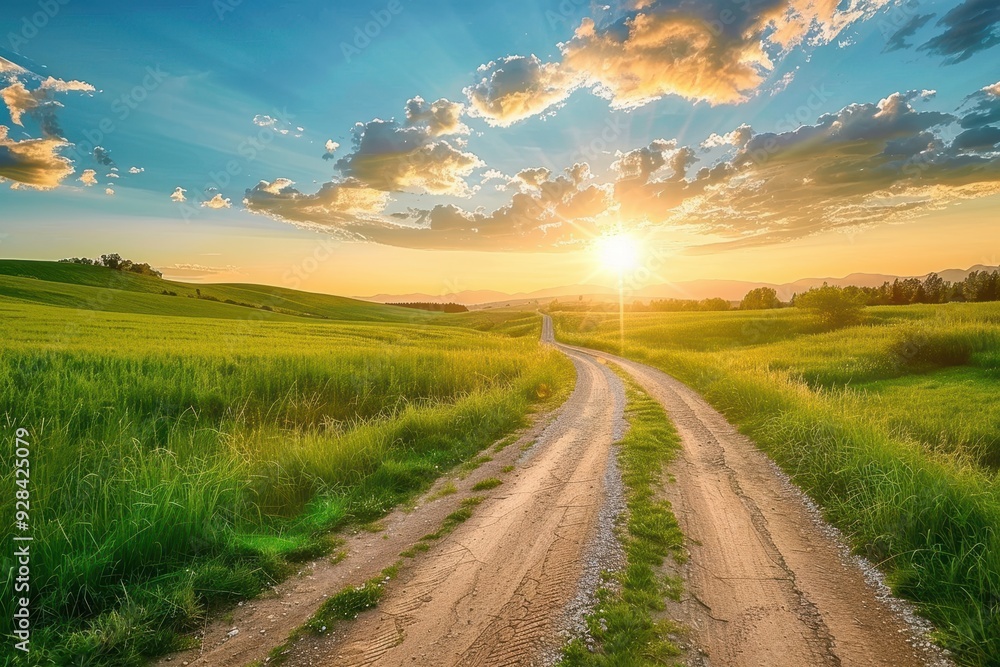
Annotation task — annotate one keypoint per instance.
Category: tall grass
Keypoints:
(178, 465)
(891, 426)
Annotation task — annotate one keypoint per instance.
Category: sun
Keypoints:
(618, 252)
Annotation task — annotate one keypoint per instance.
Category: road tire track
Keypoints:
(767, 581)
(494, 591)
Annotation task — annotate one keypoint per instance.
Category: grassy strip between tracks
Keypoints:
(624, 624)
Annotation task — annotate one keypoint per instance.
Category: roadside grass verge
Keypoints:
(890, 427)
(182, 464)
(623, 624)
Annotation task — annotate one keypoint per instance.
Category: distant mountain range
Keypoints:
(732, 290)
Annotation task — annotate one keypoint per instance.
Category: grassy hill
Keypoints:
(98, 288)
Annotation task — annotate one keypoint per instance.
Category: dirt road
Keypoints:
(767, 582)
(495, 591)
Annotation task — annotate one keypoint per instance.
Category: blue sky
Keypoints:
(182, 92)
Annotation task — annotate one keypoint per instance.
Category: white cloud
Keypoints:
(715, 51)
(88, 177)
(218, 201)
(10, 69)
(18, 100)
(518, 87)
(439, 117)
(103, 156)
(869, 163)
(331, 147)
(202, 268)
(398, 157)
(738, 137)
(178, 194)
(38, 102)
(496, 175)
(33, 163)
(555, 213)
(334, 206)
(60, 86)
(533, 177)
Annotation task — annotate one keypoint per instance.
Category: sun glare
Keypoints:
(618, 252)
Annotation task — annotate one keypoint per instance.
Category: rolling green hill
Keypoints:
(98, 288)
(188, 453)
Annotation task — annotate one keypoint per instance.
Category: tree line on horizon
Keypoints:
(449, 307)
(978, 286)
(115, 262)
(654, 306)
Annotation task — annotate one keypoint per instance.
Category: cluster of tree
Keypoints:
(685, 305)
(836, 306)
(116, 262)
(436, 307)
(761, 298)
(978, 286)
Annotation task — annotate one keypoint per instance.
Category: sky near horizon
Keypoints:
(440, 146)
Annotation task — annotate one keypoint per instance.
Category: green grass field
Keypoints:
(185, 452)
(893, 426)
(97, 288)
